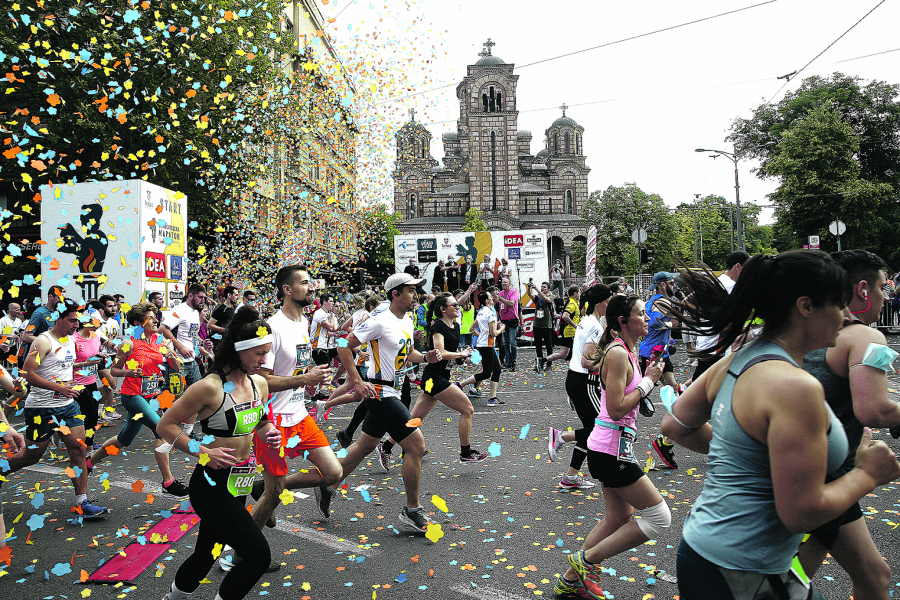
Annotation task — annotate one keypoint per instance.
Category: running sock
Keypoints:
(465, 450)
(569, 581)
(387, 447)
(664, 441)
(89, 464)
(168, 483)
(176, 594)
(79, 499)
(188, 428)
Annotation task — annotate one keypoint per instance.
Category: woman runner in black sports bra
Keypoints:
(231, 405)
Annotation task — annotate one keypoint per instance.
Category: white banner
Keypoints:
(590, 260)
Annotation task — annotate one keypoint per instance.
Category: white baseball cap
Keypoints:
(398, 279)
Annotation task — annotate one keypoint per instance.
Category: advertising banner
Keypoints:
(115, 237)
(591, 257)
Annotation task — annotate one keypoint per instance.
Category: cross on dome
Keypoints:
(487, 48)
(564, 107)
(412, 115)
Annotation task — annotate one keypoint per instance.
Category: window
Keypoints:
(413, 206)
(424, 146)
(578, 144)
(570, 203)
(555, 143)
(492, 100)
(567, 142)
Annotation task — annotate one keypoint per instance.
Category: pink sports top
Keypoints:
(604, 438)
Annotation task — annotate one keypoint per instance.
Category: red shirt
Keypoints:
(149, 359)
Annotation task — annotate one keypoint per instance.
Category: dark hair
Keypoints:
(482, 298)
(139, 311)
(439, 302)
(492, 289)
(67, 307)
(736, 258)
(104, 299)
(55, 290)
(285, 276)
(153, 295)
(326, 297)
(229, 289)
(860, 265)
(594, 295)
(573, 289)
(243, 326)
(248, 293)
(614, 288)
(791, 275)
(619, 306)
(118, 296)
(196, 288)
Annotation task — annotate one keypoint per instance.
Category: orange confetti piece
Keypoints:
(415, 558)
(431, 572)
(149, 499)
(70, 472)
(166, 399)
(112, 450)
(414, 422)
(84, 576)
(54, 264)
(6, 555)
(137, 487)
(64, 430)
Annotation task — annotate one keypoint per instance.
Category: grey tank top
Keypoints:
(734, 523)
(839, 398)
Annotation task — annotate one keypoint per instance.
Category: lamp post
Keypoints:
(737, 191)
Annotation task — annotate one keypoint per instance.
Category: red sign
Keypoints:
(155, 265)
(515, 241)
(527, 326)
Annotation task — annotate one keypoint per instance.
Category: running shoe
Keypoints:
(474, 456)
(570, 589)
(665, 451)
(537, 364)
(495, 401)
(176, 489)
(324, 494)
(112, 416)
(416, 518)
(473, 392)
(384, 458)
(228, 562)
(588, 573)
(576, 483)
(319, 410)
(88, 510)
(554, 441)
(343, 439)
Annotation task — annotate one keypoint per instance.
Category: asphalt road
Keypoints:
(507, 529)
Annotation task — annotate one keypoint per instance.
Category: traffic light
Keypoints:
(649, 252)
(646, 256)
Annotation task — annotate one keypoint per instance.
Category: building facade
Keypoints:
(488, 165)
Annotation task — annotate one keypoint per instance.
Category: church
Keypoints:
(488, 164)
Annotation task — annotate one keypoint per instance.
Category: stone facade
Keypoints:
(487, 164)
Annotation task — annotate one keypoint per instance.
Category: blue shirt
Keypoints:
(39, 323)
(659, 333)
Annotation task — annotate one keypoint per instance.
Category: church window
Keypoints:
(413, 206)
(570, 203)
(424, 146)
(493, 170)
(567, 142)
(492, 100)
(555, 143)
(578, 144)
(484, 101)
(499, 102)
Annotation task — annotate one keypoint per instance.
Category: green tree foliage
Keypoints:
(871, 113)
(474, 220)
(376, 236)
(820, 180)
(616, 211)
(162, 91)
(578, 257)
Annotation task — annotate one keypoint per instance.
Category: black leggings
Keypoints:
(359, 415)
(586, 400)
(223, 520)
(490, 365)
(89, 405)
(543, 337)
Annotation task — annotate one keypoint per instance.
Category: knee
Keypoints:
(655, 520)
(467, 411)
(77, 452)
(878, 577)
(332, 472)
(257, 556)
(414, 445)
(274, 487)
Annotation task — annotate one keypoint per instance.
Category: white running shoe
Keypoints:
(320, 410)
(384, 458)
(554, 441)
(576, 483)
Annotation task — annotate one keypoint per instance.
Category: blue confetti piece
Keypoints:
(193, 224)
(35, 522)
(142, 540)
(61, 569)
(365, 495)
(208, 478)
(341, 454)
(193, 446)
(29, 569)
(401, 578)
(137, 332)
(293, 441)
(494, 449)
(208, 439)
(228, 387)
(342, 343)
(524, 433)
(476, 357)
(185, 505)
(651, 581)
(4, 464)
(97, 396)
(559, 543)
(38, 500)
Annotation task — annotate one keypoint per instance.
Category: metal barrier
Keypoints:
(889, 319)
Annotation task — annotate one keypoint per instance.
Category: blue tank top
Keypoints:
(734, 523)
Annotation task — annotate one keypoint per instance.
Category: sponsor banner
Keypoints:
(526, 265)
(176, 267)
(514, 253)
(405, 244)
(515, 241)
(591, 257)
(428, 257)
(404, 257)
(426, 244)
(155, 265)
(534, 253)
(534, 240)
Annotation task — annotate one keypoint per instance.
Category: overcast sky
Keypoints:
(645, 104)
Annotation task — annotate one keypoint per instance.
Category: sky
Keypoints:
(646, 104)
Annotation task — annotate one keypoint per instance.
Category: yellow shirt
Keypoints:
(575, 315)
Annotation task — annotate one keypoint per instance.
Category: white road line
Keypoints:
(320, 537)
(485, 592)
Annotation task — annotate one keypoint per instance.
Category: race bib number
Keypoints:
(539, 314)
(150, 385)
(400, 375)
(240, 479)
(626, 447)
(247, 416)
(91, 371)
(304, 359)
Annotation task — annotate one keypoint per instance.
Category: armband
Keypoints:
(879, 356)
(645, 386)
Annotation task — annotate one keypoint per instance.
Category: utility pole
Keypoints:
(696, 201)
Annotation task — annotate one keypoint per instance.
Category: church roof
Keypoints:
(543, 152)
(413, 126)
(523, 133)
(490, 60)
(450, 135)
(564, 121)
(459, 188)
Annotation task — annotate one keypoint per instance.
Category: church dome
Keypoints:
(523, 133)
(564, 121)
(413, 126)
(542, 153)
(490, 61)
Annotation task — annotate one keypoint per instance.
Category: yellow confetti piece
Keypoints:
(85, 593)
(434, 532)
(286, 497)
(262, 331)
(204, 458)
(439, 502)
(132, 364)
(216, 551)
(305, 587)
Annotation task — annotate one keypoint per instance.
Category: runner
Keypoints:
(443, 336)
(568, 323)
(287, 370)
(231, 405)
(88, 359)
(40, 321)
(389, 334)
(108, 332)
(12, 439)
(773, 438)
(543, 321)
(10, 324)
(582, 396)
(854, 375)
(50, 406)
(509, 316)
(611, 453)
(139, 360)
(487, 328)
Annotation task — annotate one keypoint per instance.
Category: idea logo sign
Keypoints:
(514, 241)
(155, 265)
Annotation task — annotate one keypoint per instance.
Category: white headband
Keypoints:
(253, 342)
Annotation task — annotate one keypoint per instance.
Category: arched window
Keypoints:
(492, 100)
(499, 102)
(484, 101)
(570, 203)
(555, 143)
(567, 142)
(578, 144)
(424, 147)
(413, 206)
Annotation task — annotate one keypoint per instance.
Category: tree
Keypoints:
(616, 211)
(578, 257)
(820, 180)
(872, 113)
(474, 220)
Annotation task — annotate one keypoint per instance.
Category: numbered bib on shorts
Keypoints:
(302, 365)
(539, 314)
(91, 371)
(247, 416)
(626, 447)
(240, 479)
(150, 385)
(400, 375)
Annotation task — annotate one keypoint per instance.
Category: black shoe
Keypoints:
(176, 489)
(416, 518)
(344, 439)
(666, 453)
(259, 488)
(324, 494)
(235, 559)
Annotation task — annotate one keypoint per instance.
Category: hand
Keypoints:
(273, 438)
(185, 352)
(208, 345)
(67, 389)
(654, 370)
(433, 356)
(219, 458)
(20, 385)
(877, 459)
(466, 353)
(364, 355)
(418, 334)
(134, 372)
(318, 375)
(366, 389)
(15, 440)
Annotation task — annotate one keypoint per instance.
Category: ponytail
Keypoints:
(619, 306)
(595, 295)
(243, 326)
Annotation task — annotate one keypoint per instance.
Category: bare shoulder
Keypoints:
(855, 337)
(261, 384)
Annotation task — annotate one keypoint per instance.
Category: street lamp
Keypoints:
(737, 191)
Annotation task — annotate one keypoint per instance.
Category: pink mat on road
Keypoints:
(170, 530)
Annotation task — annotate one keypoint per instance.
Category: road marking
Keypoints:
(320, 537)
(485, 592)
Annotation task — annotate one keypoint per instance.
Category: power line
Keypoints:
(795, 73)
(634, 37)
